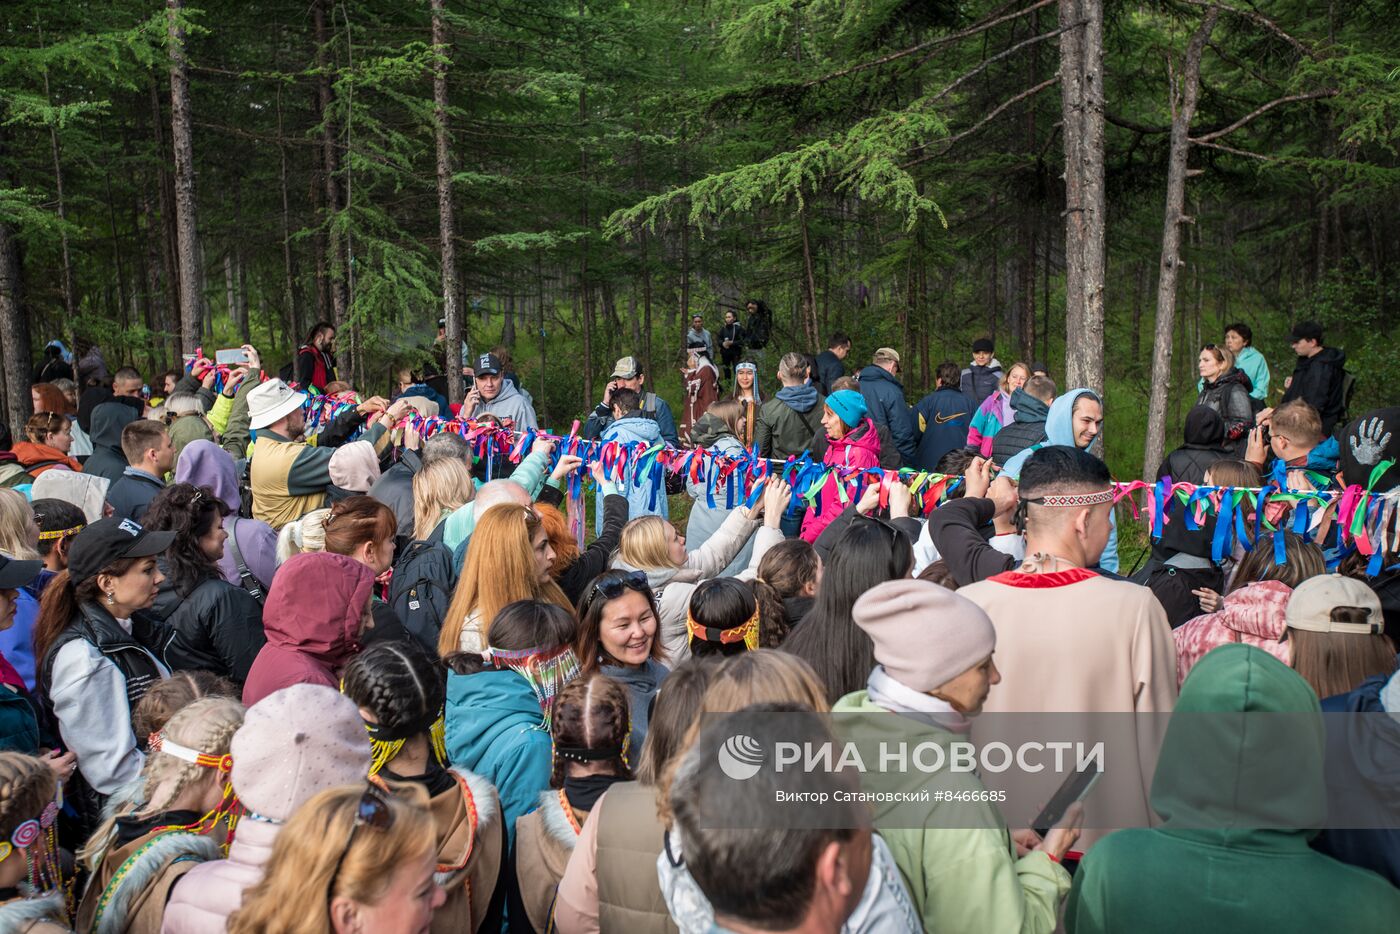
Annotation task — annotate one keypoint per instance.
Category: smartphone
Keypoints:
(235, 357)
(1075, 788)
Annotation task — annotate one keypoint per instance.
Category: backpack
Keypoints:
(256, 588)
(421, 589)
(13, 475)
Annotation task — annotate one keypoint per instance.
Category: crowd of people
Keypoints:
(262, 678)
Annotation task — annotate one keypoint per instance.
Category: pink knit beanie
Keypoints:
(925, 635)
(294, 743)
(354, 466)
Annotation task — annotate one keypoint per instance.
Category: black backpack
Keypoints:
(421, 589)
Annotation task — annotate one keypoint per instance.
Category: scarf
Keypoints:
(583, 792)
(894, 696)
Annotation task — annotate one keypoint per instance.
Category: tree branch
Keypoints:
(1003, 54)
(1237, 152)
(1260, 20)
(1259, 111)
(1009, 102)
(932, 43)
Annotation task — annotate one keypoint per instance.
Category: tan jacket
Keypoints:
(610, 882)
(544, 839)
(468, 820)
(128, 893)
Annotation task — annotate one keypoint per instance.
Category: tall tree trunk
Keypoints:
(646, 303)
(69, 298)
(447, 228)
(1183, 110)
(1082, 103)
(187, 227)
(16, 352)
(330, 169)
(165, 200)
(809, 285)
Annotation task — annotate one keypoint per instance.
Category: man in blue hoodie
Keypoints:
(630, 425)
(884, 399)
(1075, 420)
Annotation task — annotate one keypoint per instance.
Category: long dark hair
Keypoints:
(869, 552)
(589, 647)
(524, 624)
(191, 512)
(719, 604)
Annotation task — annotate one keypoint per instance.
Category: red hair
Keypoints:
(51, 398)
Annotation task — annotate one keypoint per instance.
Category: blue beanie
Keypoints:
(848, 405)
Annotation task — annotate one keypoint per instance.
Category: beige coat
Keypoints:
(544, 840)
(1076, 643)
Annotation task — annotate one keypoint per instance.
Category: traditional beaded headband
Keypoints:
(28, 832)
(60, 533)
(1072, 499)
(746, 632)
(159, 743)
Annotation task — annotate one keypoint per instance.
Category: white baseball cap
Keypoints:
(1310, 607)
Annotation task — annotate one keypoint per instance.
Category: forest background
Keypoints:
(1101, 185)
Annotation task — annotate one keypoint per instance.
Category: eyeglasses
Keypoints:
(372, 812)
(613, 587)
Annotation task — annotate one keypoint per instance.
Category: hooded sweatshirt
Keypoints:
(204, 463)
(860, 447)
(1025, 429)
(108, 420)
(1204, 435)
(511, 407)
(643, 500)
(1059, 429)
(705, 520)
(788, 422)
(1254, 615)
(313, 619)
(495, 727)
(1363, 771)
(1237, 797)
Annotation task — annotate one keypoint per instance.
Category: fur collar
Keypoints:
(556, 823)
(146, 865)
(17, 914)
(483, 795)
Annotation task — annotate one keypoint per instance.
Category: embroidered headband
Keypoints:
(159, 743)
(746, 632)
(60, 533)
(1072, 499)
(28, 832)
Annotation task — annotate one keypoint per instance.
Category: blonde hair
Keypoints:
(1006, 380)
(762, 676)
(27, 786)
(728, 411)
(500, 569)
(1222, 354)
(438, 489)
(169, 696)
(15, 520)
(305, 534)
(1298, 422)
(296, 889)
(643, 544)
(207, 726)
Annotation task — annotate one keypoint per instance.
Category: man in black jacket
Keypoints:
(1317, 376)
(149, 457)
(1031, 405)
(829, 367)
(885, 402)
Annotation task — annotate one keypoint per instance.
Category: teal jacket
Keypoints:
(495, 728)
(1238, 798)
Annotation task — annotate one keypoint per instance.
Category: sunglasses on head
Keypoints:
(373, 812)
(613, 587)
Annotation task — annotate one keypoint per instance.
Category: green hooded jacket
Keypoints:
(1239, 798)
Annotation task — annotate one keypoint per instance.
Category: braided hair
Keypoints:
(191, 512)
(207, 725)
(169, 696)
(592, 717)
(27, 786)
(406, 690)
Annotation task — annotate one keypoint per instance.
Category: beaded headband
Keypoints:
(28, 832)
(1072, 499)
(158, 743)
(746, 633)
(60, 533)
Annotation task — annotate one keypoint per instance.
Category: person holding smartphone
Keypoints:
(966, 871)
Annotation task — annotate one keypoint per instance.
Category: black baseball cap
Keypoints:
(982, 345)
(15, 574)
(108, 540)
(488, 364)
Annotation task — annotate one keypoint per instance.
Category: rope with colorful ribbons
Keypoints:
(1366, 520)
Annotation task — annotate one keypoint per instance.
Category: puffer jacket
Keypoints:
(1254, 615)
(884, 397)
(209, 893)
(979, 382)
(705, 520)
(217, 627)
(646, 499)
(672, 587)
(1026, 429)
(788, 422)
(1229, 396)
(313, 620)
(858, 448)
(108, 420)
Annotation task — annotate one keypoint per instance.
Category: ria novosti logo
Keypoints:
(740, 757)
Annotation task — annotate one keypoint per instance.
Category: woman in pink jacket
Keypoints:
(314, 618)
(851, 441)
(294, 744)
